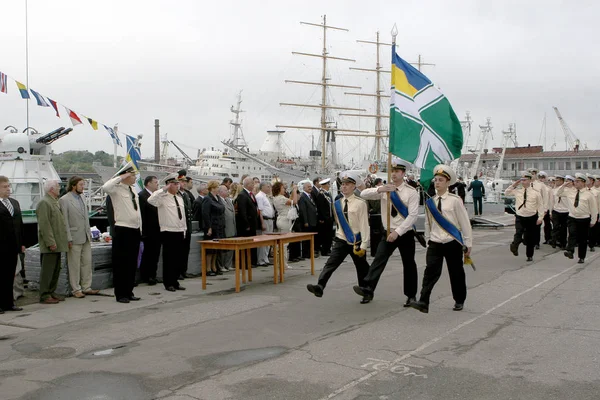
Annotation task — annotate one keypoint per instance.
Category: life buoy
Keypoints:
(373, 168)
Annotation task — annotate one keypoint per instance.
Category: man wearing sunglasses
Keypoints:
(127, 233)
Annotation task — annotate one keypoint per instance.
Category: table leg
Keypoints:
(312, 254)
(281, 261)
(249, 264)
(203, 268)
(275, 263)
(237, 270)
(243, 256)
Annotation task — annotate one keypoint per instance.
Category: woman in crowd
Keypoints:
(283, 203)
(213, 218)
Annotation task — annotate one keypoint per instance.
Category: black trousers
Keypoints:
(150, 256)
(377, 232)
(578, 235)
(325, 237)
(295, 248)
(436, 253)
(125, 250)
(339, 252)
(559, 229)
(7, 278)
(172, 243)
(477, 205)
(406, 245)
(306, 243)
(593, 235)
(185, 249)
(547, 227)
(528, 232)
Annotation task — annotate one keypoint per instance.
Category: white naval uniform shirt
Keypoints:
(358, 218)
(586, 208)
(408, 195)
(454, 211)
(559, 204)
(534, 203)
(168, 217)
(121, 196)
(543, 190)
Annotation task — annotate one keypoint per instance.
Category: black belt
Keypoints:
(267, 217)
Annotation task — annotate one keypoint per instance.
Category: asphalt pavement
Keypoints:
(528, 331)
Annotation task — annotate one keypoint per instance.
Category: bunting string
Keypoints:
(44, 101)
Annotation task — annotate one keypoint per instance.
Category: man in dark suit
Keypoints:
(247, 218)
(150, 233)
(478, 193)
(197, 205)
(308, 217)
(325, 213)
(11, 244)
(188, 201)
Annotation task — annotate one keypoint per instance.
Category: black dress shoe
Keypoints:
(15, 308)
(211, 273)
(366, 299)
(219, 272)
(317, 290)
(546, 242)
(134, 298)
(170, 289)
(180, 288)
(581, 261)
(123, 300)
(420, 305)
(1, 312)
(363, 291)
(569, 254)
(592, 249)
(514, 249)
(458, 307)
(529, 259)
(151, 282)
(408, 301)
(181, 277)
(537, 246)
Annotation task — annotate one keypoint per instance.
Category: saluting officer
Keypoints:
(404, 213)
(449, 234)
(560, 213)
(530, 214)
(547, 197)
(173, 227)
(543, 190)
(593, 233)
(583, 214)
(352, 236)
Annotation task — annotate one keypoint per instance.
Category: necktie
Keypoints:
(178, 209)
(439, 206)
(524, 199)
(135, 206)
(346, 210)
(577, 199)
(252, 196)
(9, 206)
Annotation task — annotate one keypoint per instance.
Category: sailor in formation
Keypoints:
(583, 214)
(543, 190)
(352, 236)
(593, 234)
(404, 212)
(560, 213)
(449, 234)
(529, 214)
(547, 198)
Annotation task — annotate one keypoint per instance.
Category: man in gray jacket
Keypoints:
(79, 256)
(225, 258)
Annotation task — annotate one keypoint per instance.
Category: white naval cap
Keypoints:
(581, 177)
(446, 171)
(569, 178)
(325, 181)
(543, 174)
(348, 177)
(398, 163)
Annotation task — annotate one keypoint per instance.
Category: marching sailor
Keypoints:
(404, 213)
(449, 235)
(583, 214)
(529, 215)
(543, 190)
(560, 213)
(593, 234)
(352, 236)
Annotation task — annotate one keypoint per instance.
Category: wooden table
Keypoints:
(241, 247)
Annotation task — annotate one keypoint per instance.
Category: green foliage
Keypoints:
(81, 161)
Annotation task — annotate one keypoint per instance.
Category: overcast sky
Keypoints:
(183, 62)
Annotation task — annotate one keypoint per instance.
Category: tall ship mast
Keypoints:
(328, 130)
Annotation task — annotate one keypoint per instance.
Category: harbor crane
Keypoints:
(571, 141)
(185, 156)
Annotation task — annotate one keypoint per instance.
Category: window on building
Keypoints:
(512, 166)
(593, 164)
(567, 165)
(561, 165)
(551, 165)
(585, 165)
(535, 165)
(577, 164)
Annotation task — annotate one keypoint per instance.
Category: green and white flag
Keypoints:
(424, 130)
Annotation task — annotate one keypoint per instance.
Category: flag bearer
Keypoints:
(530, 214)
(449, 234)
(404, 213)
(352, 237)
(583, 214)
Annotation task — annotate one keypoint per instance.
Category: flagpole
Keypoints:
(389, 158)
(27, 61)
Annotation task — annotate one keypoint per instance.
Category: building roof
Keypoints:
(532, 155)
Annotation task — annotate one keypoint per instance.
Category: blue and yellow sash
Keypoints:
(398, 204)
(344, 224)
(443, 222)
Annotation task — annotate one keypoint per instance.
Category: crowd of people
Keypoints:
(159, 220)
